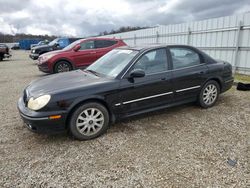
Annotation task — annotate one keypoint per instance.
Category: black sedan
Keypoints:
(124, 82)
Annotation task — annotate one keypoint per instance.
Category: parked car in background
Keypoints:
(44, 42)
(79, 54)
(4, 52)
(15, 46)
(123, 83)
(57, 44)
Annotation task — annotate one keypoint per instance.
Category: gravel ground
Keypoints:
(184, 146)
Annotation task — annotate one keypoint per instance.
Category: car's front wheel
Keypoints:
(209, 94)
(62, 66)
(89, 121)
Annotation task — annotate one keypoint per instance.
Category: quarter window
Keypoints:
(87, 45)
(183, 57)
(104, 43)
(152, 62)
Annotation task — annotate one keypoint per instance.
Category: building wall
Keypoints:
(226, 38)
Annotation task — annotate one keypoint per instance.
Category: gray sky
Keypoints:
(89, 17)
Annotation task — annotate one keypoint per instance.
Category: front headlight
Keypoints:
(38, 103)
(44, 58)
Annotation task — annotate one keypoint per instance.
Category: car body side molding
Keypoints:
(189, 88)
(144, 98)
(159, 95)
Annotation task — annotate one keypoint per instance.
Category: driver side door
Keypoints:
(152, 90)
(85, 55)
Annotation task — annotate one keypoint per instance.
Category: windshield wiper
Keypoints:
(93, 72)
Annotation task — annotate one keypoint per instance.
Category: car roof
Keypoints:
(152, 46)
(95, 38)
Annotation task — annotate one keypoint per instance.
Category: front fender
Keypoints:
(96, 98)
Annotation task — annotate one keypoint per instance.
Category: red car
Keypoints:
(79, 54)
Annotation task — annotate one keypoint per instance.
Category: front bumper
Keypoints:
(39, 121)
(44, 67)
(34, 56)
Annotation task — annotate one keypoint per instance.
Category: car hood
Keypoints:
(62, 82)
(41, 47)
(55, 52)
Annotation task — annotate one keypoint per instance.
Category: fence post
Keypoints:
(236, 53)
(189, 36)
(157, 37)
(135, 39)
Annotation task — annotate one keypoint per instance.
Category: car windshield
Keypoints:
(72, 45)
(113, 62)
(53, 42)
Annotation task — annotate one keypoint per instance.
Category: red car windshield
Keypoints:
(72, 45)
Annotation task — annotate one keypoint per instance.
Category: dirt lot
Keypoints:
(184, 146)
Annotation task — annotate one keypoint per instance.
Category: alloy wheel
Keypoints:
(90, 121)
(210, 94)
(63, 67)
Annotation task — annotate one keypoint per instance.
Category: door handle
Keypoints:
(164, 78)
(93, 52)
(201, 72)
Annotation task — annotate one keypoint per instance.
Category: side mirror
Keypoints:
(77, 47)
(137, 73)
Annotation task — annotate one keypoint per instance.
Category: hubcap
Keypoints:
(210, 94)
(63, 67)
(90, 121)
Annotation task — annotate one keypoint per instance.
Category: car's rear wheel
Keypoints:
(62, 66)
(89, 121)
(209, 94)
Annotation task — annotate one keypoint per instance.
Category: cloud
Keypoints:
(84, 17)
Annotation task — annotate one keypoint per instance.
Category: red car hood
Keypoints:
(54, 52)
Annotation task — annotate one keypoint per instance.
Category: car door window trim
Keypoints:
(175, 69)
(189, 66)
(166, 70)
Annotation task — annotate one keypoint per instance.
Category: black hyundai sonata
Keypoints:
(124, 82)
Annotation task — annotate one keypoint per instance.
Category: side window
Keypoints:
(104, 43)
(184, 57)
(87, 45)
(152, 62)
(62, 43)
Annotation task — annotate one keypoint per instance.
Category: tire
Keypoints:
(209, 94)
(1, 58)
(62, 66)
(86, 124)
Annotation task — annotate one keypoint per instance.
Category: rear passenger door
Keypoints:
(103, 47)
(189, 70)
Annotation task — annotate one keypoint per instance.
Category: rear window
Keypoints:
(104, 43)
